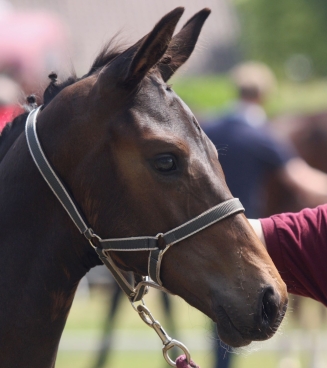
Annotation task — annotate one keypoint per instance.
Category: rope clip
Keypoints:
(168, 342)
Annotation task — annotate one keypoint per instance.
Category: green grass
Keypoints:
(150, 359)
(205, 94)
(208, 95)
(86, 320)
(85, 323)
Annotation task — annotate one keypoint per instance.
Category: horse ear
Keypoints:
(182, 45)
(131, 66)
(153, 46)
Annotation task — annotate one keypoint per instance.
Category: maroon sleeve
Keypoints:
(297, 244)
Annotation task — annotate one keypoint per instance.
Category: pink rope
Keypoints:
(181, 362)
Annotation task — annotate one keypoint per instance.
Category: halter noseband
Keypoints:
(146, 243)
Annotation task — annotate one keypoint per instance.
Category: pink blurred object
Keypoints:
(32, 44)
(8, 113)
(181, 362)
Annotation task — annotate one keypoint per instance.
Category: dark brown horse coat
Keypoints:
(135, 160)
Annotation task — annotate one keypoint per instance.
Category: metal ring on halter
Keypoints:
(89, 235)
(172, 344)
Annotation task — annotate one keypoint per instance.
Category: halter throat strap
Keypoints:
(157, 245)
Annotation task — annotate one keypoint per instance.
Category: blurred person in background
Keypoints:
(250, 155)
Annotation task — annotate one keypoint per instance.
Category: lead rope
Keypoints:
(182, 362)
(147, 243)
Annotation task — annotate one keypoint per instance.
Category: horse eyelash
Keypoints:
(169, 87)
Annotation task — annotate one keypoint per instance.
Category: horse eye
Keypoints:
(165, 163)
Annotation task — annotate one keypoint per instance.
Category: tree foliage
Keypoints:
(274, 31)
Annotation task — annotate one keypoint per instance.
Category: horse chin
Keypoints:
(227, 332)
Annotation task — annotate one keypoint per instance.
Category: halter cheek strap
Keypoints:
(145, 243)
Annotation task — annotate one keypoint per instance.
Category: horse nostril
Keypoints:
(270, 307)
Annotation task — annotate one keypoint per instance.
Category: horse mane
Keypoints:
(13, 129)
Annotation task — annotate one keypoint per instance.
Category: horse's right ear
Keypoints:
(131, 66)
(182, 45)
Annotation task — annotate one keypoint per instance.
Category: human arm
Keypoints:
(257, 227)
(297, 244)
(306, 185)
(309, 183)
(292, 187)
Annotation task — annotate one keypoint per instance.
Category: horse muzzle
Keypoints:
(239, 328)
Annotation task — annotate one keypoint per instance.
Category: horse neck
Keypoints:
(42, 259)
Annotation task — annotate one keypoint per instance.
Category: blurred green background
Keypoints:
(209, 95)
(300, 342)
(290, 37)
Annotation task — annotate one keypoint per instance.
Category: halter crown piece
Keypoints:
(144, 243)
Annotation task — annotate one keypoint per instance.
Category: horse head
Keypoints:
(137, 162)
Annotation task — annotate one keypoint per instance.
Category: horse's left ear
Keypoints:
(153, 46)
(131, 66)
(182, 45)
